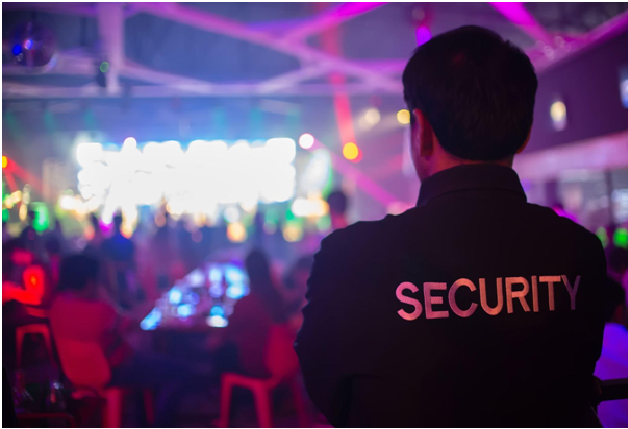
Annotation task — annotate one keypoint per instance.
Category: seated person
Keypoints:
(249, 325)
(614, 360)
(82, 311)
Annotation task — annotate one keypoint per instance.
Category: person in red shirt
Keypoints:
(82, 311)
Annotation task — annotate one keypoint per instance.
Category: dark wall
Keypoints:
(588, 84)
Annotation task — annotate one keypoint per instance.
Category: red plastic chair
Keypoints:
(283, 364)
(32, 329)
(85, 365)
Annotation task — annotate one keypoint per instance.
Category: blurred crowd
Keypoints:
(100, 293)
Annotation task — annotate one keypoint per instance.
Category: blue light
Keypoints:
(175, 296)
(233, 274)
(215, 274)
(28, 44)
(215, 291)
(194, 298)
(184, 310)
(217, 310)
(16, 50)
(151, 321)
(235, 291)
(217, 321)
(196, 278)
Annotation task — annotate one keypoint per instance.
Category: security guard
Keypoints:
(475, 308)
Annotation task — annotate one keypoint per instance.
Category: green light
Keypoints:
(5, 215)
(289, 215)
(104, 67)
(602, 235)
(620, 237)
(42, 217)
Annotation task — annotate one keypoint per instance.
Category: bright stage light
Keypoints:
(202, 179)
(87, 153)
(283, 148)
(306, 141)
(5, 161)
(129, 143)
(309, 208)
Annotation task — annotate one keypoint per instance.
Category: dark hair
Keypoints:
(260, 279)
(77, 270)
(337, 201)
(475, 89)
(614, 296)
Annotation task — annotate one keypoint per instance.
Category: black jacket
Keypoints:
(474, 308)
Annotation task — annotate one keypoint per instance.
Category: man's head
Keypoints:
(471, 99)
(117, 222)
(79, 273)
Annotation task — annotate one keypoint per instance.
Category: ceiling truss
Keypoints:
(288, 37)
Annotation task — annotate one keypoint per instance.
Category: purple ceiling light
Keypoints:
(423, 34)
(519, 15)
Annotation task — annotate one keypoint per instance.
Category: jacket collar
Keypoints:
(467, 177)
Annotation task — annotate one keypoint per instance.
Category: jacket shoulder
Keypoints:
(367, 235)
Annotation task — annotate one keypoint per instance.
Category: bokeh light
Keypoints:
(558, 112)
(351, 151)
(104, 67)
(236, 232)
(423, 35)
(306, 141)
(5, 161)
(403, 116)
(292, 232)
(372, 116)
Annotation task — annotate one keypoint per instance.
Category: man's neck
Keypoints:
(444, 161)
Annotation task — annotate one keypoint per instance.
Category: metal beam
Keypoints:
(217, 24)
(12, 90)
(331, 18)
(290, 79)
(81, 9)
(111, 31)
(182, 83)
(577, 45)
(516, 13)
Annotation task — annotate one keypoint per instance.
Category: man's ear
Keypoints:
(523, 146)
(424, 132)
